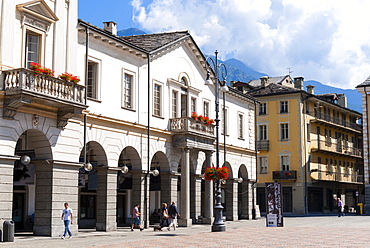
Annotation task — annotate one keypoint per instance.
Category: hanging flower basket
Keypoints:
(213, 173)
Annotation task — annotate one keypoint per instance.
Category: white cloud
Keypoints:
(326, 41)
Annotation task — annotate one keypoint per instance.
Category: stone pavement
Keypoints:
(308, 231)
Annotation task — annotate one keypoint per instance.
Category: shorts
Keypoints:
(136, 221)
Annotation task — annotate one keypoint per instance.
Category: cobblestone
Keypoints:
(311, 231)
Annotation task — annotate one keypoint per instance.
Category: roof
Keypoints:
(275, 80)
(153, 42)
(365, 83)
(273, 89)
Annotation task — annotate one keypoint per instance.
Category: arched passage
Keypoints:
(129, 157)
(93, 187)
(32, 199)
(244, 193)
(159, 190)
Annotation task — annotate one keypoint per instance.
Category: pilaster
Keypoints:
(6, 187)
(106, 219)
(185, 220)
(196, 198)
(56, 183)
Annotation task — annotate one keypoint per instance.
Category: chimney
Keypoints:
(299, 83)
(264, 81)
(342, 100)
(110, 27)
(310, 89)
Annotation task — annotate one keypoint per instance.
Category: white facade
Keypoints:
(46, 118)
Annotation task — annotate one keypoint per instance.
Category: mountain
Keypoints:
(354, 98)
(130, 31)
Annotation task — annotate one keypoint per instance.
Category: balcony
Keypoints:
(335, 148)
(23, 87)
(336, 121)
(284, 175)
(331, 175)
(263, 145)
(188, 132)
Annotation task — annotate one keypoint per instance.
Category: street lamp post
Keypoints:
(218, 223)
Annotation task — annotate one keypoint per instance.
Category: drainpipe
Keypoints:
(256, 159)
(305, 159)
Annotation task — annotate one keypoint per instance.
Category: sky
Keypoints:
(323, 40)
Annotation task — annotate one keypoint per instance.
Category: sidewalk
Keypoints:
(315, 231)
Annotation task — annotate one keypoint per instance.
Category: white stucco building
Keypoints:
(141, 91)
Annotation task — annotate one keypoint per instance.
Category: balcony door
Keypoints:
(184, 105)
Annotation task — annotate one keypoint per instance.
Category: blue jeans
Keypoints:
(66, 225)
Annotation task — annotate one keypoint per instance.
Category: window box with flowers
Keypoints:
(69, 77)
(213, 173)
(38, 69)
(204, 119)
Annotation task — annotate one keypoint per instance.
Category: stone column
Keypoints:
(231, 200)
(56, 183)
(208, 195)
(185, 189)
(6, 187)
(106, 217)
(196, 197)
(245, 198)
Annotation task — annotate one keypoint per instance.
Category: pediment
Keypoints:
(38, 9)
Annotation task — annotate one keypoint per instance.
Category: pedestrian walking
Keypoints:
(67, 216)
(173, 214)
(340, 207)
(164, 215)
(136, 218)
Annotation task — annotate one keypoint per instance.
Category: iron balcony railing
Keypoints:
(335, 120)
(284, 175)
(330, 146)
(331, 175)
(263, 145)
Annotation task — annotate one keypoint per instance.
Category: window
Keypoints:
(157, 100)
(127, 91)
(193, 104)
(174, 104)
(263, 165)
(240, 126)
(262, 132)
(285, 161)
(206, 108)
(308, 133)
(92, 72)
(284, 131)
(224, 121)
(262, 108)
(283, 107)
(33, 43)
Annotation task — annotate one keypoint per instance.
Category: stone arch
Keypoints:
(244, 193)
(26, 188)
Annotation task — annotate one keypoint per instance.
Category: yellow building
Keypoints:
(310, 143)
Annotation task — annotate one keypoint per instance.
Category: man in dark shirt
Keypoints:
(173, 213)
